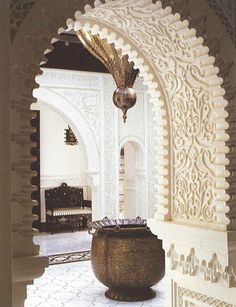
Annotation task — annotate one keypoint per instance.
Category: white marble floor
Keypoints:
(74, 285)
(64, 242)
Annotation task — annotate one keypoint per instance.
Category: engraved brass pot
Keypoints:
(127, 258)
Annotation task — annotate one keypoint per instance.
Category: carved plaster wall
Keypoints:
(206, 22)
(210, 269)
(189, 298)
(193, 102)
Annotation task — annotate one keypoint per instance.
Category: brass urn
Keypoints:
(127, 258)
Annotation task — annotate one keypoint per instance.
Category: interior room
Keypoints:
(79, 107)
(118, 156)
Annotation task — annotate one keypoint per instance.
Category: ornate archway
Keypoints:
(83, 130)
(189, 107)
(188, 103)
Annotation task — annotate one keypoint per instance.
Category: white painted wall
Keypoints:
(57, 158)
(59, 162)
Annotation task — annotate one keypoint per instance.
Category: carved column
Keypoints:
(141, 192)
(110, 155)
(93, 181)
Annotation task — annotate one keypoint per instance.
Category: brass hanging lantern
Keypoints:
(123, 72)
(70, 138)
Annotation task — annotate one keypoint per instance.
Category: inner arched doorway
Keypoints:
(132, 180)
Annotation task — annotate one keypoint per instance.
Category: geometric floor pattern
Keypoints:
(74, 285)
(63, 242)
(69, 257)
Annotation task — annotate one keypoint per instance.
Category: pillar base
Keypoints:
(200, 270)
(25, 270)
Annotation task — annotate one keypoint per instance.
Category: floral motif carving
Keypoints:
(110, 146)
(87, 102)
(193, 132)
(191, 265)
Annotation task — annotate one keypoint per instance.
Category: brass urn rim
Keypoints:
(117, 224)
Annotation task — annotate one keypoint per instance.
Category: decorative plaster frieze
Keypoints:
(68, 79)
(190, 298)
(210, 270)
(53, 181)
(87, 103)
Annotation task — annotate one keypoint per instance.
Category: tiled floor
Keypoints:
(63, 242)
(74, 285)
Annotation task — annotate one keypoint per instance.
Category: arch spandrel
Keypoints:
(188, 101)
(76, 119)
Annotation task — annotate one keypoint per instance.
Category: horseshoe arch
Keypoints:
(187, 100)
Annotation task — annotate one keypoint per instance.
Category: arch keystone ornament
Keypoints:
(189, 107)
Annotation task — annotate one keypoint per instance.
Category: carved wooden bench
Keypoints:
(65, 204)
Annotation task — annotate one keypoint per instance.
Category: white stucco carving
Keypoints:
(87, 103)
(191, 100)
(209, 269)
(190, 298)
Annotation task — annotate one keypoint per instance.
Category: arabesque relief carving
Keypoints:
(194, 105)
(187, 297)
(210, 270)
